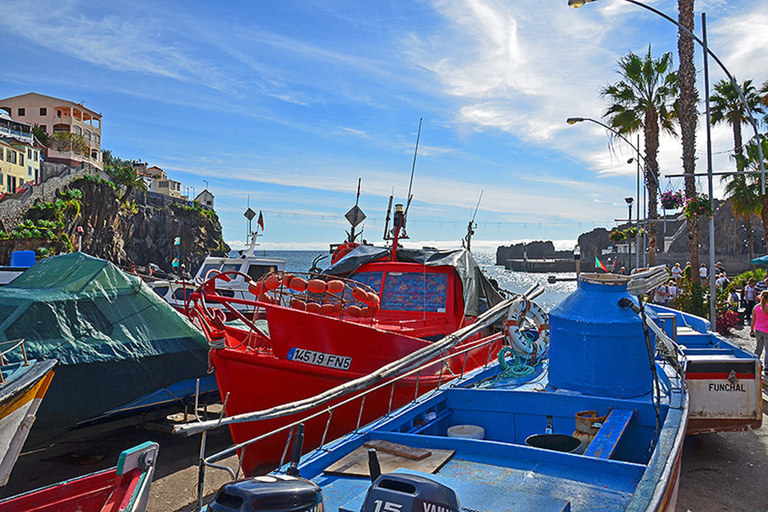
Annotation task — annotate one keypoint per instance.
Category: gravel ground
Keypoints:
(725, 471)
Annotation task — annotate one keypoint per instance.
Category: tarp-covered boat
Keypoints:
(327, 331)
(115, 339)
(601, 427)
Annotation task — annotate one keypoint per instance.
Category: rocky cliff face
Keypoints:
(136, 232)
(530, 250)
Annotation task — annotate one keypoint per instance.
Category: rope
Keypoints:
(518, 368)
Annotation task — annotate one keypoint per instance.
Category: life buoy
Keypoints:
(342, 251)
(520, 313)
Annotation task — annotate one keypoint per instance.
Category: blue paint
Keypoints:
(607, 439)
(597, 347)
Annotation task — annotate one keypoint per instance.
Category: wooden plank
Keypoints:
(609, 435)
(398, 449)
(356, 463)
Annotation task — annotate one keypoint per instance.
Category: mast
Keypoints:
(467, 242)
(400, 214)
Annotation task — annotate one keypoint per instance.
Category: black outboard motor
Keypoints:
(406, 493)
(278, 493)
(273, 493)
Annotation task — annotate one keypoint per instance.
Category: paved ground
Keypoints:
(727, 471)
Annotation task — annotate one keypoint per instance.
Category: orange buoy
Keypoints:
(337, 307)
(298, 304)
(313, 307)
(359, 294)
(287, 280)
(366, 312)
(298, 284)
(256, 288)
(327, 309)
(372, 300)
(354, 311)
(335, 286)
(272, 282)
(316, 286)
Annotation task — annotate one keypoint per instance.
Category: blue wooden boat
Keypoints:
(723, 380)
(600, 426)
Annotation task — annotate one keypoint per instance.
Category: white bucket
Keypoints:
(467, 431)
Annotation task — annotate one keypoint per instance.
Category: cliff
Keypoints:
(138, 231)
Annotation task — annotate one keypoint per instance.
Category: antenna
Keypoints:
(413, 170)
(467, 242)
(389, 213)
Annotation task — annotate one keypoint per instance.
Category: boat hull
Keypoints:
(253, 381)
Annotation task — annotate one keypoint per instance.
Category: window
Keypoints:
(2, 155)
(87, 135)
(96, 138)
(22, 112)
(162, 184)
(21, 159)
(43, 111)
(10, 156)
(29, 172)
(35, 156)
(42, 127)
(58, 113)
(29, 153)
(256, 271)
(78, 130)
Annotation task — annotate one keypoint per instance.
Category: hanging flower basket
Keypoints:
(616, 235)
(633, 232)
(672, 200)
(697, 205)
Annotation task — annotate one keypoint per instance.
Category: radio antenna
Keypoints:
(413, 170)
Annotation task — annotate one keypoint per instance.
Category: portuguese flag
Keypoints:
(599, 264)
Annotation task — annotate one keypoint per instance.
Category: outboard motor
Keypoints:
(273, 493)
(406, 493)
(278, 493)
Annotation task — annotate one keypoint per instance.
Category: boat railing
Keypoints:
(3, 352)
(389, 375)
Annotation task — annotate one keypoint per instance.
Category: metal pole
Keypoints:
(712, 291)
(637, 213)
(629, 241)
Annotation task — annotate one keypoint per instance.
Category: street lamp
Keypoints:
(629, 201)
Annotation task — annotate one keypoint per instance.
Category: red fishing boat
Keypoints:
(373, 306)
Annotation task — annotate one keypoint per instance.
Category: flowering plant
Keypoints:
(697, 205)
(616, 235)
(672, 200)
(727, 320)
(634, 232)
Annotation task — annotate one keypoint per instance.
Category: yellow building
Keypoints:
(56, 115)
(13, 170)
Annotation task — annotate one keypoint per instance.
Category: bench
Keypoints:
(609, 435)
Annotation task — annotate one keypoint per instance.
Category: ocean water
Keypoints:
(516, 282)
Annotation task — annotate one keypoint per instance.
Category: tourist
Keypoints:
(750, 298)
(622, 271)
(760, 328)
(661, 295)
(672, 292)
(677, 273)
(760, 287)
(722, 281)
(703, 274)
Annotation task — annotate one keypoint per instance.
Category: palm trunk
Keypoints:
(652, 179)
(686, 79)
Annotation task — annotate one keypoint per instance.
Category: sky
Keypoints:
(283, 105)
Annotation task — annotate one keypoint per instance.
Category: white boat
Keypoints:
(177, 292)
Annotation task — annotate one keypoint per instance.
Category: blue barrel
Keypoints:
(596, 347)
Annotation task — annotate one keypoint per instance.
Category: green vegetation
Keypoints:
(94, 179)
(742, 279)
(66, 141)
(43, 229)
(195, 207)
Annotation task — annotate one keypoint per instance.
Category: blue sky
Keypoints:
(288, 103)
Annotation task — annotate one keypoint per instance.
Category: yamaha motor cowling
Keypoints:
(409, 493)
(278, 493)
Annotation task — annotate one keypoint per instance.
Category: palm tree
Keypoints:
(130, 179)
(751, 160)
(726, 106)
(687, 116)
(642, 100)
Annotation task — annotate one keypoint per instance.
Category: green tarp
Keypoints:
(116, 340)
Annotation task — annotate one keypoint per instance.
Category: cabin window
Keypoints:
(160, 290)
(180, 294)
(256, 271)
(207, 268)
(225, 293)
(408, 291)
(230, 267)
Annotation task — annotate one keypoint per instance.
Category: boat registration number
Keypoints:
(319, 358)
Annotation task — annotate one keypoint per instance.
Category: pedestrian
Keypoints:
(722, 280)
(661, 295)
(672, 292)
(622, 271)
(750, 298)
(677, 273)
(760, 328)
(761, 286)
(703, 274)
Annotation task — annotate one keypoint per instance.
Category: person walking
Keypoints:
(703, 274)
(750, 298)
(760, 328)
(677, 273)
(760, 287)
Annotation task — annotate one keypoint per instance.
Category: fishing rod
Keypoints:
(413, 170)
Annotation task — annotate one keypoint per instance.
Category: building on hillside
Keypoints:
(157, 181)
(20, 137)
(11, 128)
(16, 167)
(205, 199)
(55, 115)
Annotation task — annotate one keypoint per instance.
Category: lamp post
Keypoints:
(629, 201)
